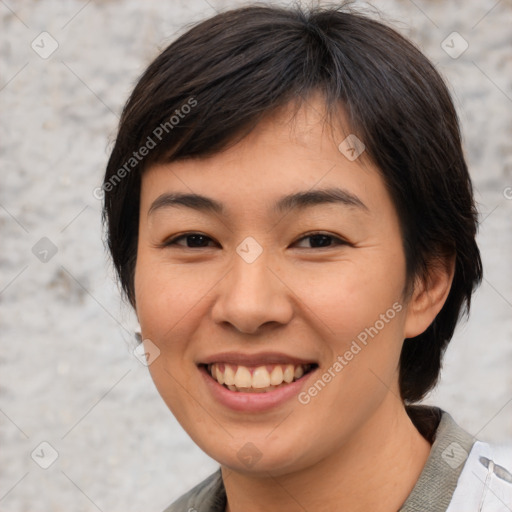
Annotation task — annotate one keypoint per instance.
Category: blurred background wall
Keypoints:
(68, 376)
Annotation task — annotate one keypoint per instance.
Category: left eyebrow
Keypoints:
(294, 201)
(319, 196)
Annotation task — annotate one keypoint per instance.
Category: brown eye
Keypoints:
(191, 240)
(320, 240)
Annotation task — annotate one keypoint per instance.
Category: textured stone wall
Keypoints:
(68, 376)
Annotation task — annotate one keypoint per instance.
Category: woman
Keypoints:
(291, 217)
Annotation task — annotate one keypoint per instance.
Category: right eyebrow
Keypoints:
(194, 201)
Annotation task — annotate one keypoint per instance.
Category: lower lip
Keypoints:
(253, 402)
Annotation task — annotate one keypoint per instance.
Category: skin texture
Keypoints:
(352, 447)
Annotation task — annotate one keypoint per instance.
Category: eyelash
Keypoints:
(337, 240)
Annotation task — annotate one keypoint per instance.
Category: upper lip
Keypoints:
(261, 359)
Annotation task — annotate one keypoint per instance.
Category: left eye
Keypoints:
(321, 240)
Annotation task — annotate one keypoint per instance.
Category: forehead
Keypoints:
(288, 152)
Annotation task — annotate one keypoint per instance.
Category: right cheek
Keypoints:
(161, 314)
(150, 289)
(147, 299)
(171, 300)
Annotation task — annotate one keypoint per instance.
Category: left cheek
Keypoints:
(350, 297)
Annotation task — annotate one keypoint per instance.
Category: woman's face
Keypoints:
(280, 255)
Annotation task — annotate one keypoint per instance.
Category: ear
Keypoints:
(428, 297)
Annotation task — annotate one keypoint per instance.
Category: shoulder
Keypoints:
(485, 483)
(461, 474)
(207, 496)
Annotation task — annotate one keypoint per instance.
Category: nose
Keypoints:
(252, 296)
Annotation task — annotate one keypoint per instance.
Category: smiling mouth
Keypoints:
(257, 379)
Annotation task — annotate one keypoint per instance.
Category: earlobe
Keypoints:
(428, 297)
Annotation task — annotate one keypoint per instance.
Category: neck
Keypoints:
(375, 470)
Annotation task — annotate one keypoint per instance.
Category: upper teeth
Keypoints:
(261, 377)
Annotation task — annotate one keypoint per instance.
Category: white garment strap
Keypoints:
(485, 483)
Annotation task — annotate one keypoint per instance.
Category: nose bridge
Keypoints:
(251, 295)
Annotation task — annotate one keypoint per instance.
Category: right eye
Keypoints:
(191, 241)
